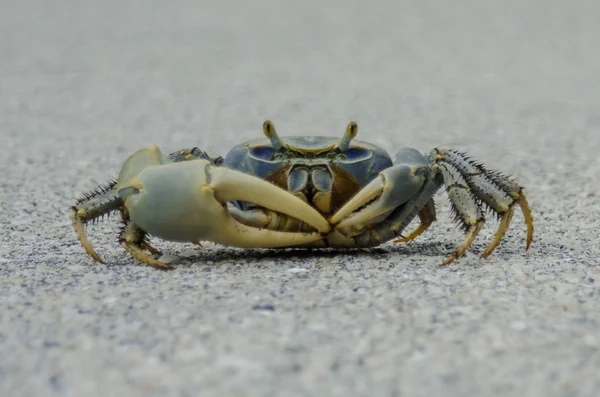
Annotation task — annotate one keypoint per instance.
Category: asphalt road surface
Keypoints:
(515, 84)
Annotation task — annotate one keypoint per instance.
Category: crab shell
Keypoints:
(312, 168)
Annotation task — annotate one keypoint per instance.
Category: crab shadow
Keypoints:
(217, 255)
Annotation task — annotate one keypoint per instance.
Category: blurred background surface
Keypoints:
(515, 84)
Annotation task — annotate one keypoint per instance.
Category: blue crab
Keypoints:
(304, 192)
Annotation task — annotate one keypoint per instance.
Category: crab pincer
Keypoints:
(187, 202)
(388, 204)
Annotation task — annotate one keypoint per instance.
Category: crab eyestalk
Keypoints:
(269, 130)
(349, 135)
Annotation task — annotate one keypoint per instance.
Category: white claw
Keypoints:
(232, 185)
(187, 201)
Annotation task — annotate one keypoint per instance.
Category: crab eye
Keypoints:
(262, 152)
(355, 154)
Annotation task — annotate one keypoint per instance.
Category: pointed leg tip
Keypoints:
(150, 248)
(96, 257)
(156, 264)
(163, 266)
(449, 260)
(462, 248)
(489, 250)
(402, 239)
(141, 256)
(528, 218)
(89, 250)
(529, 236)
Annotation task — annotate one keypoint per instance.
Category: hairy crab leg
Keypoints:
(472, 232)
(499, 193)
(468, 185)
(465, 207)
(502, 228)
(427, 216)
(134, 234)
(134, 241)
(99, 202)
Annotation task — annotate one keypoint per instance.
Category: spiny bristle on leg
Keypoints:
(99, 190)
(505, 220)
(496, 191)
(464, 205)
(94, 205)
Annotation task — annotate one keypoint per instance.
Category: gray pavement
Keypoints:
(513, 83)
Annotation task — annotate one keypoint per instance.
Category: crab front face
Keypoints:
(323, 171)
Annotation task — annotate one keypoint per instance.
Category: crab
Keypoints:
(298, 192)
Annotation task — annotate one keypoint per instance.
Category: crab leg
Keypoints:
(100, 202)
(498, 192)
(465, 207)
(427, 216)
(463, 203)
(187, 201)
(467, 185)
(398, 197)
(134, 240)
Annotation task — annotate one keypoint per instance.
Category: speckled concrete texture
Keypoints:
(514, 83)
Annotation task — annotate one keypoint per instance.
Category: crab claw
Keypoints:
(392, 188)
(187, 201)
